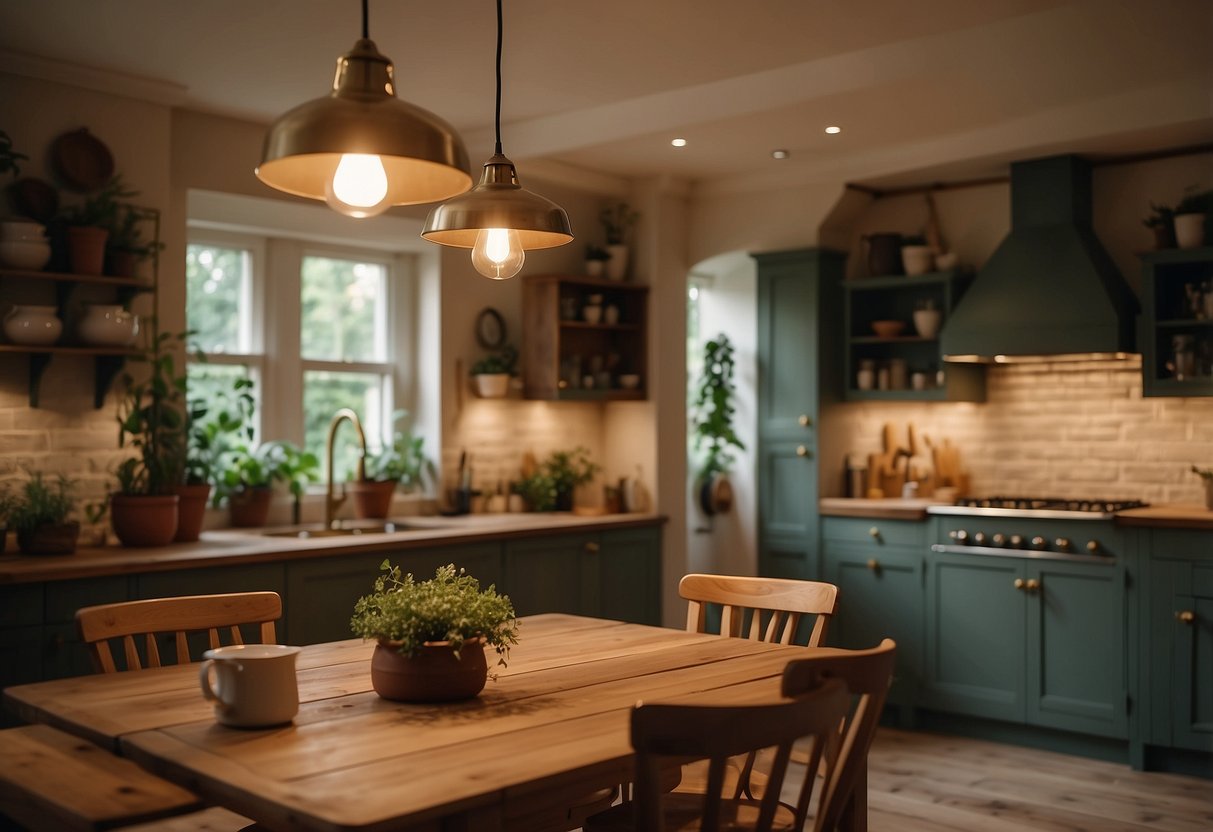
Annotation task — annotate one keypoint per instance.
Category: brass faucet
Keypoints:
(332, 502)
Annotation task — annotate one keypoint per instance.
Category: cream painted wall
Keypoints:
(757, 221)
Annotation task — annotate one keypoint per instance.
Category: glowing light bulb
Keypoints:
(359, 186)
(498, 253)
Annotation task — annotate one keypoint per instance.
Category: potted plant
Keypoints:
(216, 423)
(550, 486)
(89, 226)
(492, 373)
(596, 258)
(1161, 221)
(126, 246)
(713, 428)
(398, 463)
(249, 474)
(152, 421)
(1206, 476)
(38, 514)
(916, 255)
(9, 157)
(617, 220)
(1192, 217)
(432, 634)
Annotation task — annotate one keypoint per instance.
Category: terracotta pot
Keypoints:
(434, 674)
(372, 498)
(250, 507)
(121, 263)
(49, 539)
(1164, 236)
(86, 249)
(144, 520)
(191, 509)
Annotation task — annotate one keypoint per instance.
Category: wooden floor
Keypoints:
(920, 781)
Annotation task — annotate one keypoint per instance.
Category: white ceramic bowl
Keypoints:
(29, 255)
(107, 325)
(629, 381)
(34, 326)
(22, 230)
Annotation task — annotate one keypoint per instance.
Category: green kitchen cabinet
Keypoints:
(799, 300)
(63, 653)
(1178, 654)
(627, 570)
(1170, 278)
(877, 566)
(545, 574)
(1031, 640)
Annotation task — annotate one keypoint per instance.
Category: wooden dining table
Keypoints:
(553, 725)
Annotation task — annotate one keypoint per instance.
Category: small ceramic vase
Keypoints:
(594, 268)
(107, 325)
(1190, 230)
(592, 314)
(927, 321)
(35, 326)
(617, 266)
(611, 314)
(917, 259)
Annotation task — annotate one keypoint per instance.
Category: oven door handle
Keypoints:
(990, 551)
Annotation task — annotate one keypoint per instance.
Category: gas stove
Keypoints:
(1031, 527)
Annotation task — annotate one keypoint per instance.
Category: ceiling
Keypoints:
(933, 88)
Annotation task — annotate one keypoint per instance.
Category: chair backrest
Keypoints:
(718, 733)
(867, 674)
(181, 616)
(781, 602)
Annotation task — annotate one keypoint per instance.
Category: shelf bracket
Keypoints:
(104, 369)
(38, 362)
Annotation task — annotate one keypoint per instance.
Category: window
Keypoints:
(309, 325)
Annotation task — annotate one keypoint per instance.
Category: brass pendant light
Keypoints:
(498, 219)
(362, 149)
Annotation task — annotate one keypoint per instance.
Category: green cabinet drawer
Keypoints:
(873, 532)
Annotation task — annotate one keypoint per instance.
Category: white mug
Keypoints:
(253, 686)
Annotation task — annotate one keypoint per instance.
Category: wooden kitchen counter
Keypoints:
(1169, 516)
(230, 547)
(888, 509)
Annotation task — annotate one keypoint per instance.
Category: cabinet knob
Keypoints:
(1019, 584)
(801, 450)
(873, 564)
(804, 420)
(1186, 616)
(1032, 585)
(874, 533)
(1093, 546)
(591, 548)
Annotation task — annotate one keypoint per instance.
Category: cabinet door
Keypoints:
(545, 574)
(1076, 676)
(1192, 672)
(787, 511)
(975, 636)
(627, 571)
(879, 596)
(320, 595)
(787, 345)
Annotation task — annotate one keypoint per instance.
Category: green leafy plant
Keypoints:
(497, 363)
(402, 459)
(556, 477)
(1204, 473)
(126, 232)
(243, 467)
(152, 420)
(102, 209)
(616, 221)
(9, 157)
(1195, 201)
(217, 425)
(1160, 216)
(593, 252)
(450, 607)
(39, 504)
(713, 406)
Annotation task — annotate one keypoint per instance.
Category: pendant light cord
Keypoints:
(497, 151)
(366, 27)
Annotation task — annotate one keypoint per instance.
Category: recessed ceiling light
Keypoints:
(833, 129)
(678, 142)
(780, 154)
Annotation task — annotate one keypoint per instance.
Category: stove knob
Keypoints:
(979, 538)
(1093, 547)
(960, 536)
(1062, 544)
(999, 539)
(1016, 541)
(1039, 542)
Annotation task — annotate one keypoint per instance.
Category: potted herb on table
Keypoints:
(492, 373)
(398, 463)
(713, 428)
(432, 635)
(39, 515)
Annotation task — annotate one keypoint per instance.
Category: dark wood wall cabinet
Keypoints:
(584, 339)
(1176, 331)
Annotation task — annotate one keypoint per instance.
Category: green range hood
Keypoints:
(1049, 291)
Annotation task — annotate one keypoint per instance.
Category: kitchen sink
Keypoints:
(347, 529)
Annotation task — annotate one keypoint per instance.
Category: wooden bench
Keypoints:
(50, 780)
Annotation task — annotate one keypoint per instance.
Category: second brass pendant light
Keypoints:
(498, 219)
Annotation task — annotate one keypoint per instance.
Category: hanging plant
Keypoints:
(714, 434)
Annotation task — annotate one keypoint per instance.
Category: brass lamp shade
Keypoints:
(423, 156)
(499, 202)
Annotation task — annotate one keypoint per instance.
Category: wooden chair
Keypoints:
(665, 734)
(181, 616)
(867, 675)
(774, 606)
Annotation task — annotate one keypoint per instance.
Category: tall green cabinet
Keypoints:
(799, 303)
